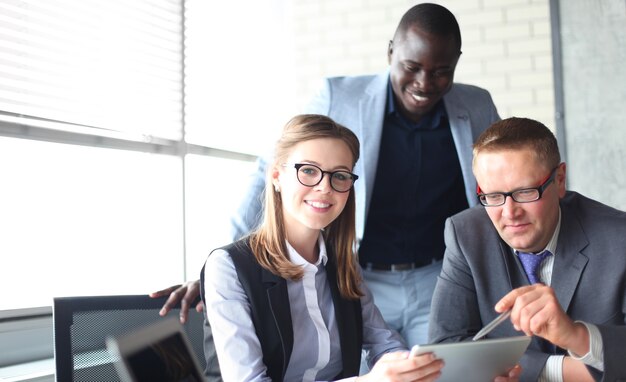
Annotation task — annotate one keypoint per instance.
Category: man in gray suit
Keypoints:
(416, 127)
(553, 257)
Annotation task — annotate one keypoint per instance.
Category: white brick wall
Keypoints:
(506, 47)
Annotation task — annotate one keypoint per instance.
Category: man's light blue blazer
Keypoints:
(359, 103)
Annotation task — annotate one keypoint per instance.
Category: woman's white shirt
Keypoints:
(316, 354)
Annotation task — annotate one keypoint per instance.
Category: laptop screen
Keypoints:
(156, 353)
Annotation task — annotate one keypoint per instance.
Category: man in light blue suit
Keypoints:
(416, 129)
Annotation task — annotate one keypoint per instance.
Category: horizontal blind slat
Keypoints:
(115, 64)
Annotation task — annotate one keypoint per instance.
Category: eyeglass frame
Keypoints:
(540, 189)
(298, 166)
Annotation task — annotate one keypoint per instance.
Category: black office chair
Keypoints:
(82, 324)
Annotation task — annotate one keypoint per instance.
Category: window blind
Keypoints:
(100, 66)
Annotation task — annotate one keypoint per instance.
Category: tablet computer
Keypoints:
(158, 352)
(476, 361)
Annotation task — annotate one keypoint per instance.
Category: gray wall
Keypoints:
(593, 42)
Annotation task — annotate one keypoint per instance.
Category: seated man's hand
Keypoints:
(535, 310)
(185, 293)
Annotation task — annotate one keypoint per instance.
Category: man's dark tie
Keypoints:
(531, 263)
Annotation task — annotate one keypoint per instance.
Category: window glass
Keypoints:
(238, 73)
(98, 101)
(214, 190)
(81, 220)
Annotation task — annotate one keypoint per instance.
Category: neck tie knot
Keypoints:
(531, 263)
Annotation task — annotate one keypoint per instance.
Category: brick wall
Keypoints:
(506, 47)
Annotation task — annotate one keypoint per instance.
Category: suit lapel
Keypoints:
(515, 271)
(278, 299)
(346, 325)
(569, 261)
(461, 128)
(369, 123)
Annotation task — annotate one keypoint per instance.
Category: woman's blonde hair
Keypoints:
(268, 241)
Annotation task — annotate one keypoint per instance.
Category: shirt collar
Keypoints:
(555, 236)
(295, 257)
(430, 121)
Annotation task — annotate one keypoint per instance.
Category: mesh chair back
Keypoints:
(82, 324)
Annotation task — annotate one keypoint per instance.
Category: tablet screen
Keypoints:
(477, 361)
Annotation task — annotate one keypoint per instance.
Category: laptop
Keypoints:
(159, 352)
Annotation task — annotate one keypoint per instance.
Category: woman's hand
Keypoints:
(398, 367)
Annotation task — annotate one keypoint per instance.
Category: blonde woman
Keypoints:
(287, 302)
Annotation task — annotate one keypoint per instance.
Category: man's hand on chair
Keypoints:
(186, 294)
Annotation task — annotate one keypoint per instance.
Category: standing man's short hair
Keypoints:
(431, 18)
